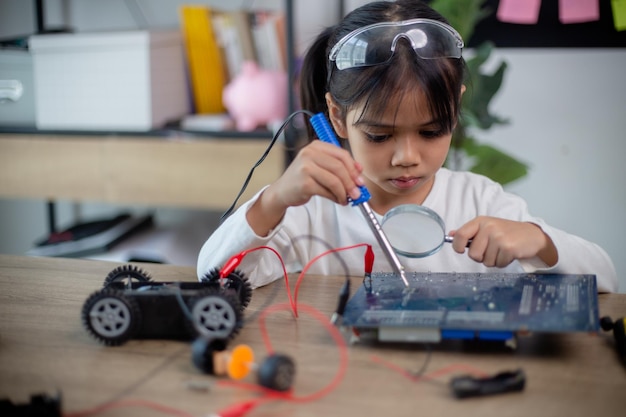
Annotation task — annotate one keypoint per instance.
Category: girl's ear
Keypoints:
(336, 116)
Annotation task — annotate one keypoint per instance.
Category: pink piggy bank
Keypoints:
(256, 97)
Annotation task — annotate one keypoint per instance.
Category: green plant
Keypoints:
(466, 150)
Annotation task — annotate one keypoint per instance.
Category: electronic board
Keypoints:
(489, 306)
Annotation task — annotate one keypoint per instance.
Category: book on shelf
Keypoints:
(268, 33)
(251, 36)
(205, 61)
(234, 35)
(218, 42)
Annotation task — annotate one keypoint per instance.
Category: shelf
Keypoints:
(181, 172)
(163, 167)
(165, 132)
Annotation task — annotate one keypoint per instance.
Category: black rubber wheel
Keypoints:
(215, 314)
(111, 317)
(126, 274)
(236, 282)
(606, 323)
(202, 350)
(277, 372)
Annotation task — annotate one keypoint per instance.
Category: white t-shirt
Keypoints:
(311, 229)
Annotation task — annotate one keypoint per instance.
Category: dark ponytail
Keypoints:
(313, 75)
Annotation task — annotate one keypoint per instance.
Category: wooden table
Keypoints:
(45, 349)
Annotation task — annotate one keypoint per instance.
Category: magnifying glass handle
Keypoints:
(325, 133)
(450, 239)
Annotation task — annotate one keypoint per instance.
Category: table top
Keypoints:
(44, 349)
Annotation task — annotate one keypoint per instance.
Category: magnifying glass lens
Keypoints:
(414, 231)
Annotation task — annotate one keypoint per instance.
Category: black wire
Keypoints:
(344, 292)
(420, 372)
(328, 246)
(183, 306)
(261, 159)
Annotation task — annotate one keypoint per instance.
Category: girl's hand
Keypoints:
(498, 242)
(319, 169)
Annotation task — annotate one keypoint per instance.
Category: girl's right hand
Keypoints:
(318, 169)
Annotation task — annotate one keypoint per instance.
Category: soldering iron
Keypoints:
(325, 133)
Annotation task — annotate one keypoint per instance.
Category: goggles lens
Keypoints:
(375, 44)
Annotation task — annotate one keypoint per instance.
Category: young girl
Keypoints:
(390, 79)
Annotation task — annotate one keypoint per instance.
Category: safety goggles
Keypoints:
(375, 44)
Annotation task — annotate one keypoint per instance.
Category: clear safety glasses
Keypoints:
(375, 44)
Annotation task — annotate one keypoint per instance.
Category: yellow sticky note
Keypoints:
(619, 14)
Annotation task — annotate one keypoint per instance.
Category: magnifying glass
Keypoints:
(415, 231)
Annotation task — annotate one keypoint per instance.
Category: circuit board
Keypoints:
(494, 306)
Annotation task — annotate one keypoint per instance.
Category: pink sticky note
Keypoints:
(579, 11)
(619, 14)
(519, 11)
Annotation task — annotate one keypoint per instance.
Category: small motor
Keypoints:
(276, 372)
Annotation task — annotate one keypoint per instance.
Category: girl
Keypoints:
(390, 79)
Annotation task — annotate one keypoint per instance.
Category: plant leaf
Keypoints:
(466, 152)
(493, 163)
(481, 88)
(463, 15)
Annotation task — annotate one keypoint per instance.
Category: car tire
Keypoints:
(126, 274)
(236, 281)
(215, 314)
(111, 317)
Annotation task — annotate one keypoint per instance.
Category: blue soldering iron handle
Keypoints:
(325, 133)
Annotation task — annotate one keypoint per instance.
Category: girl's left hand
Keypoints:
(498, 242)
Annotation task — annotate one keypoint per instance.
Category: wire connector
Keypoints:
(231, 264)
(368, 261)
(344, 293)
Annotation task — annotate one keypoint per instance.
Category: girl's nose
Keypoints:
(406, 152)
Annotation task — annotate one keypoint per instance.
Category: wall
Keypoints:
(567, 121)
(566, 108)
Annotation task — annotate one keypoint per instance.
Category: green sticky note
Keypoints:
(619, 14)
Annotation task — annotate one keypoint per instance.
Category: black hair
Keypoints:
(439, 79)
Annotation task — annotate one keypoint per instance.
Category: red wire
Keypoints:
(241, 255)
(311, 262)
(334, 332)
(242, 408)
(293, 300)
(289, 396)
(293, 304)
